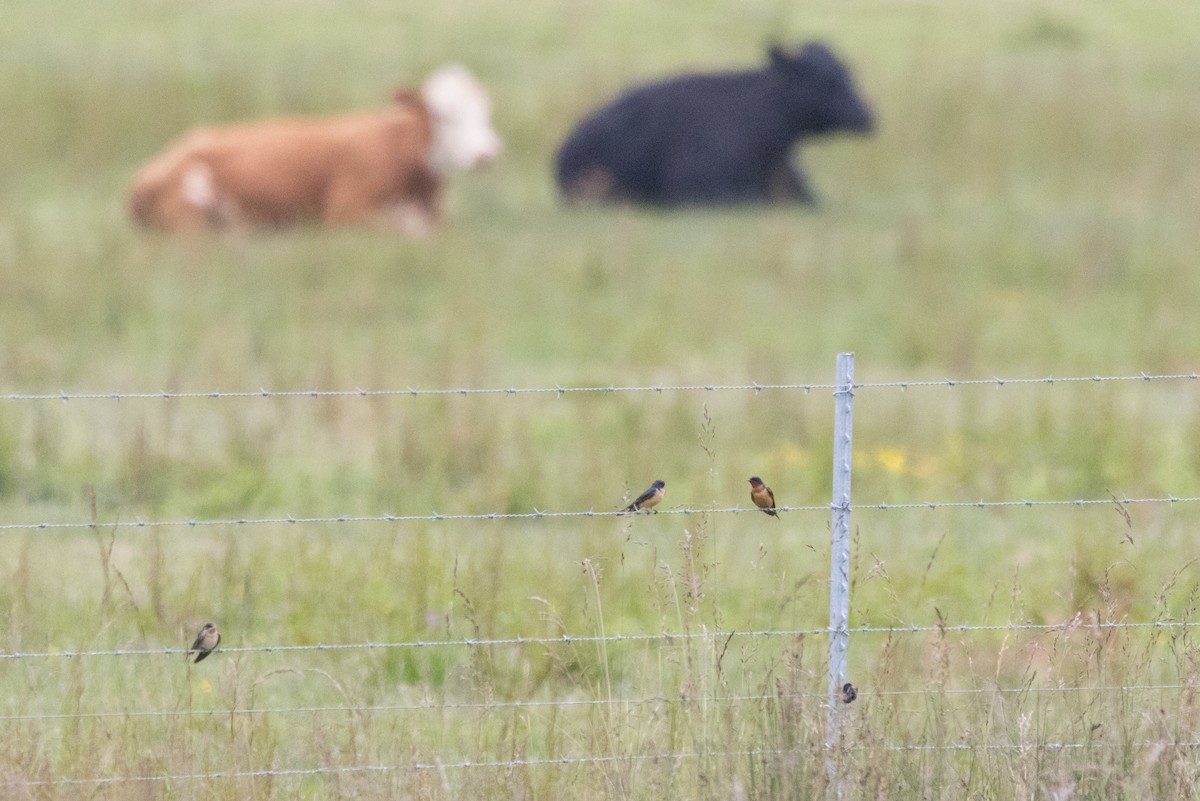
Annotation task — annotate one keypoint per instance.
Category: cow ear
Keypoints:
(815, 51)
(407, 97)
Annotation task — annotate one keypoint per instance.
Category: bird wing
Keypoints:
(645, 496)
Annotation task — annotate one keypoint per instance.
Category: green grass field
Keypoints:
(1028, 208)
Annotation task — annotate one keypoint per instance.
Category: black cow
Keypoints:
(713, 138)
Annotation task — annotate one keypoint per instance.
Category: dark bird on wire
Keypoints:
(762, 496)
(648, 499)
(848, 693)
(206, 641)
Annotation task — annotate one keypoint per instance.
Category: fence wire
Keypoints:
(556, 390)
(584, 703)
(1074, 624)
(568, 761)
(538, 514)
(560, 390)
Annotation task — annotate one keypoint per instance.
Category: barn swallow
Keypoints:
(848, 693)
(762, 496)
(647, 499)
(206, 640)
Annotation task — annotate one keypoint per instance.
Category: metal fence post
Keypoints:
(839, 558)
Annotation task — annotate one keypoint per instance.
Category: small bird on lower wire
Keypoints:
(762, 496)
(848, 693)
(206, 641)
(648, 499)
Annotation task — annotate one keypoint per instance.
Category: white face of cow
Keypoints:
(462, 127)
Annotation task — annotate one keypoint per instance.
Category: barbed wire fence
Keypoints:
(838, 633)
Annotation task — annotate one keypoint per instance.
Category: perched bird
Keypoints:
(762, 496)
(208, 639)
(848, 693)
(648, 499)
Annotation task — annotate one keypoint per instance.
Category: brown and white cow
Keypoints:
(377, 168)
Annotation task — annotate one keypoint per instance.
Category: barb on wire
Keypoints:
(540, 514)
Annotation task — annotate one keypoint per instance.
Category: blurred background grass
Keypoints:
(1028, 207)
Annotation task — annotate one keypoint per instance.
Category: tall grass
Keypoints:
(1027, 208)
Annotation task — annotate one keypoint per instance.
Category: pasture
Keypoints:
(1028, 207)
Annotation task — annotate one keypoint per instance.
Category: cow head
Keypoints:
(461, 112)
(821, 91)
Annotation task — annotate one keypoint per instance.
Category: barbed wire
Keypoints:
(996, 381)
(413, 766)
(560, 390)
(567, 639)
(432, 706)
(981, 504)
(1033, 746)
(391, 518)
(566, 761)
(570, 639)
(557, 390)
(538, 514)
